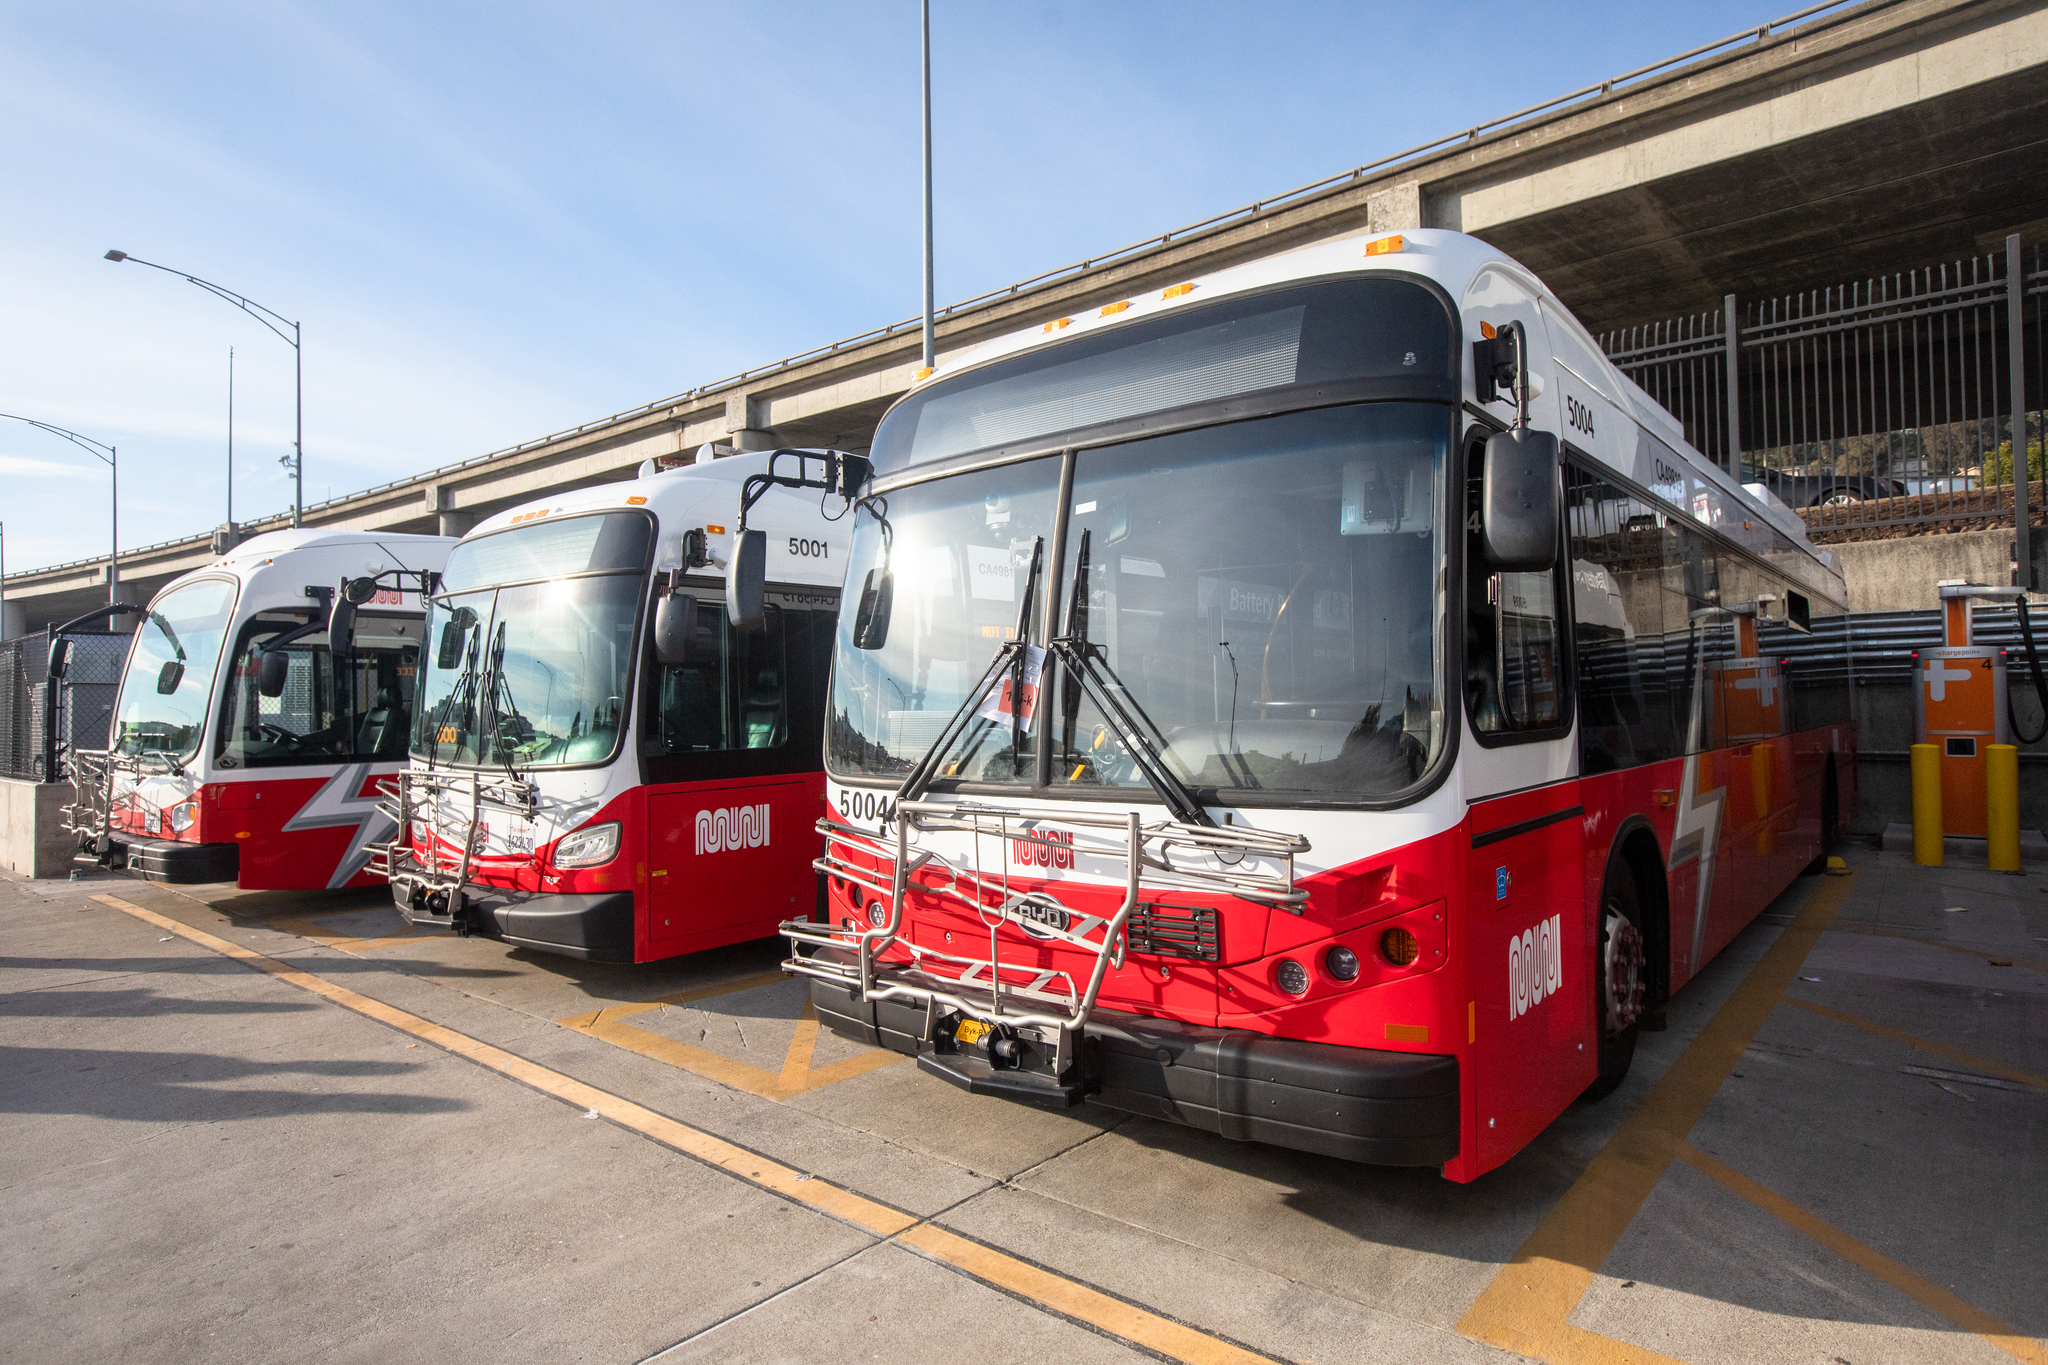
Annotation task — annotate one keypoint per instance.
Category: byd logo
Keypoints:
(1044, 855)
(1535, 966)
(731, 828)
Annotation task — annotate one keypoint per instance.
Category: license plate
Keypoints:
(970, 1031)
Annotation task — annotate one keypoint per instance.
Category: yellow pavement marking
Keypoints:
(1105, 1312)
(795, 1077)
(615, 1012)
(1078, 1301)
(1954, 1054)
(304, 927)
(1526, 1306)
(1966, 1316)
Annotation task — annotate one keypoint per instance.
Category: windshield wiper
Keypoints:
(1086, 663)
(1009, 662)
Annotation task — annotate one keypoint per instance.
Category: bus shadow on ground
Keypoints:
(141, 1003)
(172, 1087)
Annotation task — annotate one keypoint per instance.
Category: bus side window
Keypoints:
(735, 695)
(1618, 627)
(1514, 656)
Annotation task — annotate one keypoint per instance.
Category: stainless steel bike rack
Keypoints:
(434, 801)
(1168, 856)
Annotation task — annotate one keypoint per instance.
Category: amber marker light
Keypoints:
(1399, 947)
(1383, 246)
(1056, 324)
(1112, 309)
(1177, 291)
(635, 501)
(1486, 330)
(923, 373)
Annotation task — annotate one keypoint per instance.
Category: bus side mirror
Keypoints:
(358, 590)
(168, 677)
(1519, 501)
(871, 621)
(272, 665)
(675, 629)
(746, 581)
(341, 626)
(60, 656)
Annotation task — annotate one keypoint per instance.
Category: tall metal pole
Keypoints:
(270, 318)
(2015, 341)
(231, 440)
(112, 459)
(930, 350)
(1731, 332)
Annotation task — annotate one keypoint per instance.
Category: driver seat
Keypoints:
(383, 728)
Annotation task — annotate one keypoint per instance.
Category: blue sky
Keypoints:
(498, 221)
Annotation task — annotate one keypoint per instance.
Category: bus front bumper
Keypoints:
(595, 928)
(175, 863)
(1358, 1104)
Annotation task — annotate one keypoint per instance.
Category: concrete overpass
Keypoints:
(1843, 141)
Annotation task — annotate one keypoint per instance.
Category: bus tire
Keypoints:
(1830, 822)
(1619, 987)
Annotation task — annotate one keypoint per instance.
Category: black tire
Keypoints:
(1830, 823)
(1619, 986)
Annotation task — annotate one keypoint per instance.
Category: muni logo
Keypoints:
(1044, 855)
(1535, 966)
(732, 827)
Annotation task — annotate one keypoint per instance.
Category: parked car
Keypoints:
(1822, 490)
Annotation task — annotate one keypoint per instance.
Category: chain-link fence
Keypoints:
(42, 723)
(1877, 407)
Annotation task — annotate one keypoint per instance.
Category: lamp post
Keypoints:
(112, 460)
(931, 353)
(264, 316)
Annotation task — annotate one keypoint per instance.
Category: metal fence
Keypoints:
(41, 724)
(1874, 407)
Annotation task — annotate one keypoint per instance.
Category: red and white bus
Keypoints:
(605, 765)
(1322, 702)
(243, 749)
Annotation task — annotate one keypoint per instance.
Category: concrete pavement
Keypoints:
(1834, 1154)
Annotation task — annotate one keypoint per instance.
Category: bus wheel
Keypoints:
(1618, 964)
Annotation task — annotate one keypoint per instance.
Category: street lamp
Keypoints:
(112, 461)
(264, 316)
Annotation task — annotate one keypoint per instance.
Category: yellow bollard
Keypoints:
(1927, 805)
(2002, 806)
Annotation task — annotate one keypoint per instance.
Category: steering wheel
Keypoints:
(278, 732)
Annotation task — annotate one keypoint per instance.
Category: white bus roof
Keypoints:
(706, 495)
(278, 566)
(1456, 261)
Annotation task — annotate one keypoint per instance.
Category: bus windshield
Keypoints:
(534, 673)
(169, 682)
(1270, 594)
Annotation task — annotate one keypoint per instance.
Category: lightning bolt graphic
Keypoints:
(336, 803)
(1698, 831)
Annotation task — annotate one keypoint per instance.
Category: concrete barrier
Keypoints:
(33, 840)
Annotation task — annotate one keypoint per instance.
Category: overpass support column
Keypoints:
(1394, 208)
(448, 521)
(13, 620)
(742, 423)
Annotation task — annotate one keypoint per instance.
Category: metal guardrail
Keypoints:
(1571, 102)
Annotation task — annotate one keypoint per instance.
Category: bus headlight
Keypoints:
(588, 847)
(1292, 977)
(182, 816)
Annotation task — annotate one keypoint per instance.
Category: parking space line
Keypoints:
(304, 927)
(783, 1084)
(1954, 1054)
(1964, 1315)
(1050, 1291)
(1526, 1305)
(611, 1013)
